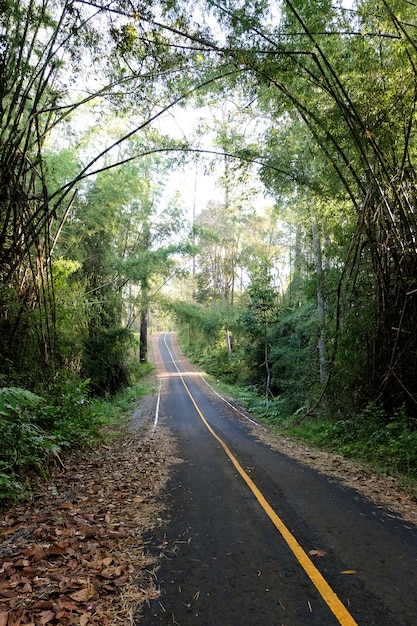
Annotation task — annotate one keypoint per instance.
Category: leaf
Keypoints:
(17, 618)
(83, 595)
(56, 550)
(47, 616)
(17, 397)
(66, 605)
(112, 572)
(108, 572)
(43, 604)
(317, 552)
(65, 505)
(3, 618)
(37, 552)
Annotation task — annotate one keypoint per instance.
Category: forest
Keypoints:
(243, 172)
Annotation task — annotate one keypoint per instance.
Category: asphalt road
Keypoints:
(242, 520)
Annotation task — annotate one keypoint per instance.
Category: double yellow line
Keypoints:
(329, 596)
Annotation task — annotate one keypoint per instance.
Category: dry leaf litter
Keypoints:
(75, 553)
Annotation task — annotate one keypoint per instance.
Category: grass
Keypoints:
(385, 446)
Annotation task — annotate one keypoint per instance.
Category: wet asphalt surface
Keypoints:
(223, 562)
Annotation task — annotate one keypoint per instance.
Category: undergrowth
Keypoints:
(387, 446)
(118, 409)
(37, 428)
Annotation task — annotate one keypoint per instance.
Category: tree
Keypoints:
(46, 50)
(300, 66)
(359, 145)
(119, 233)
(258, 318)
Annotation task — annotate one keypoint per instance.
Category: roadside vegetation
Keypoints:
(36, 432)
(384, 446)
(294, 279)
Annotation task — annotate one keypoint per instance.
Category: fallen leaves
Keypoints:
(385, 491)
(47, 616)
(83, 595)
(75, 555)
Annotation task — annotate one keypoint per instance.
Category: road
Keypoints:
(253, 537)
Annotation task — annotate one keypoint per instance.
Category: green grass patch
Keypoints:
(388, 445)
(118, 409)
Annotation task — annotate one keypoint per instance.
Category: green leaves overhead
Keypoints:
(326, 96)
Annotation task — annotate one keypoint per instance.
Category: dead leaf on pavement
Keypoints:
(317, 552)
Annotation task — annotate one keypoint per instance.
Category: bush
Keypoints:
(388, 445)
(69, 413)
(25, 445)
(33, 430)
(105, 360)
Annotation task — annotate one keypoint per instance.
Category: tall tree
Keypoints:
(120, 234)
(47, 50)
(300, 64)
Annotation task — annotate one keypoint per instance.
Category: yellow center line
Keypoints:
(329, 596)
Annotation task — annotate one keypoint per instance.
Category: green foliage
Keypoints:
(25, 445)
(202, 332)
(69, 413)
(137, 369)
(386, 444)
(105, 360)
(33, 430)
(294, 357)
(333, 90)
(71, 321)
(350, 384)
(263, 409)
(60, 167)
(118, 409)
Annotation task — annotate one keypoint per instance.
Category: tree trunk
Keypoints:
(321, 339)
(229, 344)
(143, 337)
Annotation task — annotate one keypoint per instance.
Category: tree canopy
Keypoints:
(298, 278)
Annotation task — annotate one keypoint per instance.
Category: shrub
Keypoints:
(33, 430)
(69, 413)
(25, 445)
(105, 360)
